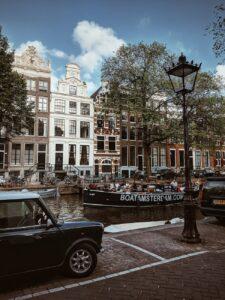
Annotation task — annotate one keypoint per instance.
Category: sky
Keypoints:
(88, 31)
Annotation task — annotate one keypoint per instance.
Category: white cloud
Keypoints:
(42, 50)
(91, 87)
(220, 71)
(96, 43)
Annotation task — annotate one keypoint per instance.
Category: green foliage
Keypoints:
(15, 114)
(217, 30)
(207, 112)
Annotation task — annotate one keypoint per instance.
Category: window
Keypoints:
(43, 104)
(106, 166)
(43, 86)
(85, 109)
(163, 157)
(84, 129)
(29, 154)
(172, 157)
(72, 127)
(124, 116)
(31, 85)
(197, 158)
(100, 121)
(111, 122)
(41, 156)
(72, 155)
(59, 127)
(31, 101)
(59, 157)
(72, 90)
(72, 107)
(59, 106)
(207, 159)
(132, 156)
(42, 127)
(42, 147)
(100, 143)
(21, 214)
(124, 156)
(139, 134)
(132, 118)
(154, 157)
(218, 158)
(112, 143)
(132, 133)
(30, 130)
(2, 152)
(59, 147)
(140, 150)
(84, 155)
(181, 158)
(124, 133)
(15, 154)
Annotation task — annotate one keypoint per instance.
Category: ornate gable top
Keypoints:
(31, 58)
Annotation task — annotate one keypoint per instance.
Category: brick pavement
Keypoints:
(200, 277)
(197, 278)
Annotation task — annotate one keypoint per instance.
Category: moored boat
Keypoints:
(44, 193)
(130, 199)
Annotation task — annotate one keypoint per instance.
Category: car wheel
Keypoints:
(81, 261)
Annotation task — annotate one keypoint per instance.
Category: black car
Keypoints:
(31, 238)
(212, 197)
(200, 173)
(165, 173)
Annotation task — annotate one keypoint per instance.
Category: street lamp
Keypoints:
(183, 76)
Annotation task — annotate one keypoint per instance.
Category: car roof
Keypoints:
(216, 179)
(18, 195)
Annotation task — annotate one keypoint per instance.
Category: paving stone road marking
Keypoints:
(139, 248)
(113, 275)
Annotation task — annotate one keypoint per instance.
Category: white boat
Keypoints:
(44, 193)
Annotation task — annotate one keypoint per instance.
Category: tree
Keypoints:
(136, 83)
(207, 112)
(15, 114)
(217, 29)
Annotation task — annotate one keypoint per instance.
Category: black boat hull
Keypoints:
(117, 199)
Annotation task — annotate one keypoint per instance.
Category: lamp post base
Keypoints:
(190, 232)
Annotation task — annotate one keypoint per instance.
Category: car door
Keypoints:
(26, 242)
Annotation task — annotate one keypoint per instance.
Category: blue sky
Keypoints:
(88, 31)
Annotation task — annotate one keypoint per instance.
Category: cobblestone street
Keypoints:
(141, 264)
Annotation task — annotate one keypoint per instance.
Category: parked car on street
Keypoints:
(31, 238)
(164, 173)
(212, 197)
(200, 173)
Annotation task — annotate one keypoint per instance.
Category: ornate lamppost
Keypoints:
(183, 76)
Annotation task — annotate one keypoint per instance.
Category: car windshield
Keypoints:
(215, 184)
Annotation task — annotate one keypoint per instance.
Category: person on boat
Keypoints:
(174, 185)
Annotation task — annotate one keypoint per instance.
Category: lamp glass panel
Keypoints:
(189, 81)
(177, 83)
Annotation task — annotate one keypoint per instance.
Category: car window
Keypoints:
(214, 184)
(21, 214)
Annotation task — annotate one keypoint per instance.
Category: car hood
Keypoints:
(79, 224)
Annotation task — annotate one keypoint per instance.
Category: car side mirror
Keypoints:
(49, 224)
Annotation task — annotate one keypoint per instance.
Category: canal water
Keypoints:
(70, 207)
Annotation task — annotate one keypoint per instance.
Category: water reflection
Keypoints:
(70, 207)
